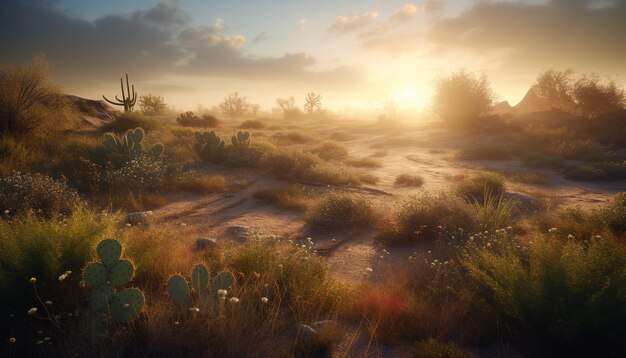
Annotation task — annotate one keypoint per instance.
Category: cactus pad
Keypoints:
(126, 305)
(95, 274)
(138, 135)
(121, 273)
(200, 278)
(100, 297)
(109, 252)
(178, 289)
(222, 281)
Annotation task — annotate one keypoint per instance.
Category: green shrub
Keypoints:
(567, 296)
(131, 120)
(475, 186)
(494, 212)
(44, 196)
(331, 151)
(339, 211)
(423, 216)
(45, 249)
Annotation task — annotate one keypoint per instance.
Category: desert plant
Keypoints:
(132, 120)
(340, 211)
(462, 97)
(554, 88)
(409, 180)
(312, 103)
(209, 147)
(151, 104)
(44, 196)
(595, 98)
(288, 106)
(331, 151)
(178, 288)
(475, 186)
(188, 119)
(234, 105)
(106, 278)
(130, 145)
(128, 99)
(494, 211)
(138, 175)
(29, 102)
(241, 139)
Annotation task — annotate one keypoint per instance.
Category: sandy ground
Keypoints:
(422, 149)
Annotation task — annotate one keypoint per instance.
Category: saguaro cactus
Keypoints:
(128, 99)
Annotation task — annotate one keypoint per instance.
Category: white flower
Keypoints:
(234, 300)
(334, 240)
(552, 229)
(32, 280)
(63, 277)
(222, 293)
(126, 305)
(6, 212)
(176, 323)
(12, 339)
(570, 236)
(264, 299)
(369, 269)
(280, 265)
(49, 303)
(32, 311)
(194, 309)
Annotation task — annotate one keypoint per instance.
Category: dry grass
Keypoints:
(409, 180)
(292, 137)
(365, 162)
(289, 197)
(202, 184)
(252, 124)
(331, 151)
(340, 211)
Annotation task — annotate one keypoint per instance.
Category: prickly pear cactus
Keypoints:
(209, 147)
(130, 144)
(106, 277)
(200, 278)
(222, 281)
(241, 139)
(178, 288)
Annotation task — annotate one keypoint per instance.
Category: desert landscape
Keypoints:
(441, 221)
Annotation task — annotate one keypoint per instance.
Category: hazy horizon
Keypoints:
(357, 54)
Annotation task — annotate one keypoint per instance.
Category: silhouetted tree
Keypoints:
(595, 98)
(462, 97)
(234, 105)
(152, 105)
(313, 102)
(554, 88)
(288, 106)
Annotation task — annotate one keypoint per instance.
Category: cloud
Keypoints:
(585, 34)
(148, 44)
(433, 5)
(345, 24)
(302, 25)
(405, 14)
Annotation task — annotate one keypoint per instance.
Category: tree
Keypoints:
(234, 106)
(462, 97)
(29, 101)
(554, 88)
(255, 108)
(152, 105)
(595, 98)
(288, 106)
(313, 103)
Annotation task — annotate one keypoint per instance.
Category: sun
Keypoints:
(410, 97)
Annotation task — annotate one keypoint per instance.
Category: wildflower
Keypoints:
(381, 256)
(176, 323)
(126, 305)
(32, 311)
(63, 277)
(280, 266)
(128, 225)
(222, 293)
(12, 339)
(183, 224)
(49, 303)
(552, 229)
(46, 339)
(570, 236)
(39, 342)
(194, 309)
(264, 299)
(32, 280)
(334, 240)
(234, 300)
(369, 269)
(6, 212)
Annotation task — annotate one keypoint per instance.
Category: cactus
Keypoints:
(242, 139)
(130, 144)
(209, 146)
(109, 275)
(180, 292)
(222, 281)
(126, 101)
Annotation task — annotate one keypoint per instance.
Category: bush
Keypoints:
(420, 216)
(247, 156)
(462, 97)
(365, 162)
(44, 196)
(331, 151)
(409, 180)
(234, 105)
(202, 184)
(29, 103)
(142, 174)
(595, 98)
(334, 174)
(613, 216)
(290, 197)
(151, 104)
(607, 171)
(433, 348)
(340, 211)
(252, 124)
(188, 119)
(131, 120)
(292, 163)
(474, 187)
(566, 296)
(45, 249)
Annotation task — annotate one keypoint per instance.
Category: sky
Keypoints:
(356, 53)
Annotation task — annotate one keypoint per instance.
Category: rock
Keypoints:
(137, 218)
(203, 243)
(308, 336)
(238, 232)
(320, 335)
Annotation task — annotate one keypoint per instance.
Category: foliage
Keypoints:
(241, 139)
(209, 147)
(130, 145)
(409, 180)
(44, 196)
(188, 119)
(290, 163)
(312, 103)
(140, 174)
(288, 106)
(234, 105)
(554, 88)
(29, 103)
(475, 186)
(290, 197)
(462, 97)
(595, 98)
(151, 104)
(127, 121)
(331, 151)
(340, 211)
